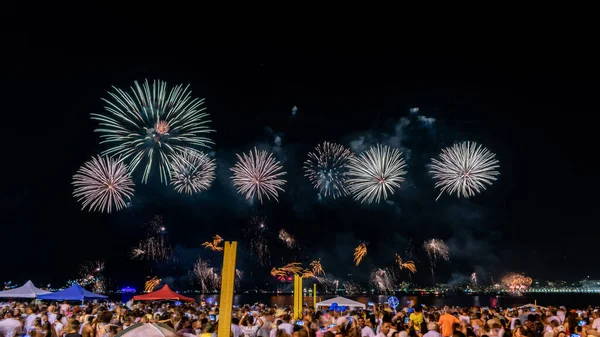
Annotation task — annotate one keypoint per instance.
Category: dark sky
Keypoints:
(532, 104)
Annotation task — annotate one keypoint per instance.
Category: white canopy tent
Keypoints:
(28, 290)
(341, 302)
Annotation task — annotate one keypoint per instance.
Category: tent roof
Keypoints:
(342, 302)
(28, 290)
(165, 293)
(74, 293)
(147, 330)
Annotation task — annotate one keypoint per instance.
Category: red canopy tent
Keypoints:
(164, 294)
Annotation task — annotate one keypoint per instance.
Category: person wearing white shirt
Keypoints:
(286, 326)
(32, 315)
(432, 330)
(385, 329)
(596, 321)
(10, 326)
(235, 328)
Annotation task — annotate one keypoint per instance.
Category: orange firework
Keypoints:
(408, 265)
(307, 273)
(214, 245)
(516, 282)
(317, 268)
(161, 127)
(151, 284)
(359, 253)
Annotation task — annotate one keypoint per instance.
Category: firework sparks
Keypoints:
(307, 273)
(207, 277)
(192, 172)
(517, 283)
(359, 253)
(91, 274)
(287, 238)
(155, 246)
(382, 280)
(436, 249)
(351, 288)
(102, 184)
(255, 233)
(214, 244)
(408, 265)
(376, 173)
(474, 278)
(330, 286)
(151, 124)
(288, 269)
(151, 283)
(317, 268)
(327, 169)
(258, 174)
(464, 169)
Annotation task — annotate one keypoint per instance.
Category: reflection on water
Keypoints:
(436, 301)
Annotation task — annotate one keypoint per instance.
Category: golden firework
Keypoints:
(317, 268)
(359, 253)
(151, 284)
(307, 273)
(214, 245)
(408, 265)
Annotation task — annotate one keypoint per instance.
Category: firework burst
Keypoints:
(436, 249)
(376, 173)
(351, 288)
(258, 174)
(516, 283)
(464, 169)
(214, 244)
(327, 169)
(207, 277)
(382, 280)
(151, 283)
(192, 172)
(92, 274)
(359, 253)
(287, 238)
(317, 268)
(102, 184)
(152, 123)
(408, 265)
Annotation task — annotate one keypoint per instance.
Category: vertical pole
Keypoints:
(227, 284)
(315, 296)
(297, 297)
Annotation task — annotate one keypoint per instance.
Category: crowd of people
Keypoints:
(259, 320)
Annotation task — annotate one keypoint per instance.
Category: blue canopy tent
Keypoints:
(74, 293)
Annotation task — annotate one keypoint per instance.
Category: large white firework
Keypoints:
(192, 172)
(258, 174)
(103, 184)
(376, 173)
(327, 169)
(152, 123)
(464, 169)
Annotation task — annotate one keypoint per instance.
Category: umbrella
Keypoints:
(147, 330)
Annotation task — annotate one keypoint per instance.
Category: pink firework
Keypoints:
(102, 184)
(258, 174)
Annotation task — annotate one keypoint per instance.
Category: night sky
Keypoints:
(534, 108)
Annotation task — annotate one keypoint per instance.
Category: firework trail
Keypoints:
(436, 249)
(155, 246)
(327, 169)
(255, 234)
(359, 253)
(376, 173)
(464, 169)
(102, 184)
(408, 265)
(307, 273)
(258, 174)
(287, 238)
(382, 280)
(317, 268)
(288, 269)
(351, 288)
(214, 244)
(152, 123)
(192, 171)
(151, 283)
